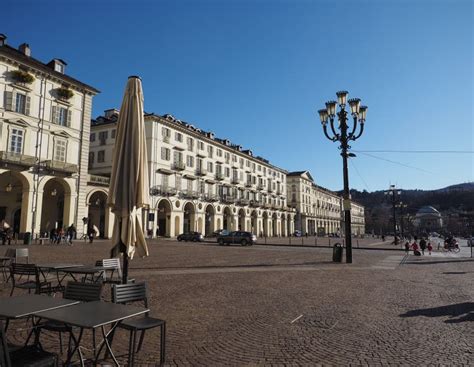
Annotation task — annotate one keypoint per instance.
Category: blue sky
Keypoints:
(256, 72)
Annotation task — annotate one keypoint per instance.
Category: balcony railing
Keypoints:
(255, 203)
(219, 176)
(279, 192)
(99, 180)
(16, 158)
(61, 166)
(178, 166)
(260, 187)
(160, 190)
(166, 139)
(270, 190)
(211, 197)
(235, 180)
(248, 184)
(228, 199)
(190, 194)
(242, 201)
(267, 205)
(201, 171)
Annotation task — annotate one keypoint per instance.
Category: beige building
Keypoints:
(318, 210)
(357, 219)
(198, 182)
(44, 142)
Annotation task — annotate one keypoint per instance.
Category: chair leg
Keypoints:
(131, 348)
(60, 342)
(13, 288)
(163, 344)
(142, 336)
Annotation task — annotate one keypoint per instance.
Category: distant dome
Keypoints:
(428, 210)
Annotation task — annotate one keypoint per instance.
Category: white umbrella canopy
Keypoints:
(129, 185)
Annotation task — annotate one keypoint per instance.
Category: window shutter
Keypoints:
(69, 115)
(54, 114)
(9, 101)
(27, 105)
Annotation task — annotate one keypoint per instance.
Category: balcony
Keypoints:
(270, 190)
(161, 190)
(248, 184)
(201, 172)
(166, 139)
(211, 197)
(279, 192)
(53, 165)
(219, 176)
(99, 180)
(190, 194)
(260, 187)
(16, 158)
(267, 205)
(229, 199)
(178, 166)
(242, 201)
(255, 203)
(235, 180)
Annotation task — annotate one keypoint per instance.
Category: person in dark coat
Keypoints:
(422, 245)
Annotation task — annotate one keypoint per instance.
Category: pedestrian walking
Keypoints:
(422, 245)
(430, 247)
(414, 246)
(407, 247)
(71, 233)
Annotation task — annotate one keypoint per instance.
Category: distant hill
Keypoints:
(452, 201)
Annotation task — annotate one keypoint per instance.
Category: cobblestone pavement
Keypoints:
(292, 306)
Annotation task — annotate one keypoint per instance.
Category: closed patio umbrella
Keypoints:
(129, 185)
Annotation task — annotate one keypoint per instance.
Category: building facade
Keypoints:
(198, 182)
(318, 210)
(44, 142)
(357, 219)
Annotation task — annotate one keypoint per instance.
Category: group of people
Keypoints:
(418, 249)
(56, 235)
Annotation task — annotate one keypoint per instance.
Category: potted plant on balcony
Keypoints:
(22, 77)
(64, 93)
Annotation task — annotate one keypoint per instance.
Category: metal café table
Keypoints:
(28, 304)
(96, 273)
(58, 268)
(92, 315)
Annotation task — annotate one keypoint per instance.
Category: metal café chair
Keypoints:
(32, 282)
(131, 293)
(112, 265)
(30, 355)
(77, 291)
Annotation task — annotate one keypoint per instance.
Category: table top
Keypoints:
(84, 269)
(25, 305)
(58, 266)
(94, 314)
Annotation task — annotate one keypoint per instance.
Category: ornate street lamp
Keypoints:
(393, 192)
(345, 134)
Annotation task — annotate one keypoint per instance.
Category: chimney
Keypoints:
(3, 39)
(25, 49)
(110, 113)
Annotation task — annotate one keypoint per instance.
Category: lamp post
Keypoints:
(344, 136)
(402, 206)
(393, 192)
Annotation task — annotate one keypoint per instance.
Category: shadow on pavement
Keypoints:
(233, 266)
(459, 312)
(421, 262)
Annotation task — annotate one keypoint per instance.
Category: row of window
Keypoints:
(103, 136)
(166, 133)
(20, 102)
(17, 137)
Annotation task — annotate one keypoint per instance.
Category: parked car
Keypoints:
(190, 236)
(297, 233)
(244, 238)
(219, 232)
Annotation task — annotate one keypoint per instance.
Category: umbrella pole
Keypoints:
(124, 255)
